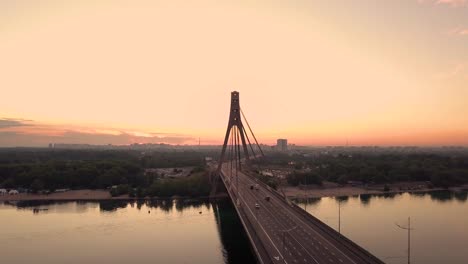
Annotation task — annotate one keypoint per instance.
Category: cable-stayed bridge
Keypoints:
(279, 231)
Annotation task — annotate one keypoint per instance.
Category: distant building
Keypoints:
(282, 144)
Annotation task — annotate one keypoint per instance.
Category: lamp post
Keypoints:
(339, 216)
(409, 237)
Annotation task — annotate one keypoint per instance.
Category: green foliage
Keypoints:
(36, 186)
(121, 190)
(270, 181)
(194, 185)
(198, 169)
(440, 168)
(303, 178)
(386, 188)
(139, 192)
(172, 159)
(78, 174)
(96, 169)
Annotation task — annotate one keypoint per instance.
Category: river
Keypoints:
(439, 221)
(199, 231)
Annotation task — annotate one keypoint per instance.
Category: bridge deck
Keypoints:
(281, 232)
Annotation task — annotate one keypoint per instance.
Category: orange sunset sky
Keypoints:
(318, 72)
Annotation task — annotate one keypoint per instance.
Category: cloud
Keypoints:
(458, 70)
(20, 132)
(459, 32)
(10, 122)
(453, 3)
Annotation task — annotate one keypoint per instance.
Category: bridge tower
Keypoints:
(235, 139)
(235, 131)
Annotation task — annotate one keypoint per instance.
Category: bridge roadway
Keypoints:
(281, 232)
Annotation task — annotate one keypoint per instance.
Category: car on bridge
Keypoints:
(257, 206)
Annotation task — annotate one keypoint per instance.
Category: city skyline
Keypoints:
(316, 73)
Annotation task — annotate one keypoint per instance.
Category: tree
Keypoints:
(386, 188)
(36, 186)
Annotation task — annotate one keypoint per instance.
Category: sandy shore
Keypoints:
(295, 192)
(292, 192)
(69, 195)
(81, 195)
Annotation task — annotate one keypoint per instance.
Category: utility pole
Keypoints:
(409, 237)
(339, 216)
(305, 192)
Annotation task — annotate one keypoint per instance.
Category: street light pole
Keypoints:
(339, 216)
(409, 237)
(409, 240)
(305, 191)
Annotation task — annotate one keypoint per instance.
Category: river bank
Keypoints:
(314, 191)
(83, 195)
(311, 191)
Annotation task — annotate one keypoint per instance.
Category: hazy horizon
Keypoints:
(385, 73)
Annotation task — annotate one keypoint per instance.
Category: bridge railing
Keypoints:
(336, 236)
(332, 233)
(252, 234)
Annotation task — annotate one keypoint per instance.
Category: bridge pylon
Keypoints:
(236, 138)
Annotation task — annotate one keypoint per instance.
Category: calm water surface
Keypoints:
(122, 232)
(176, 232)
(439, 219)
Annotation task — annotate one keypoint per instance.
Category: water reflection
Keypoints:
(45, 206)
(112, 205)
(175, 231)
(341, 199)
(461, 196)
(365, 199)
(308, 201)
(233, 236)
(439, 217)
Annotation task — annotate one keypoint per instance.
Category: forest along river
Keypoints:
(201, 231)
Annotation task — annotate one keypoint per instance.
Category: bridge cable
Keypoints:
(238, 148)
(230, 151)
(250, 145)
(235, 157)
(248, 125)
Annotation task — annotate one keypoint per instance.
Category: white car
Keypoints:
(257, 206)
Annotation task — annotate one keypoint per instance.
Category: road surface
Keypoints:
(287, 234)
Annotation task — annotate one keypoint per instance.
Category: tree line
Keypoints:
(39, 169)
(441, 170)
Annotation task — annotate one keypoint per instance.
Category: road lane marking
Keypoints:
(308, 225)
(266, 209)
(253, 215)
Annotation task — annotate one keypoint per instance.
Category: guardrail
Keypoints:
(354, 248)
(246, 227)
